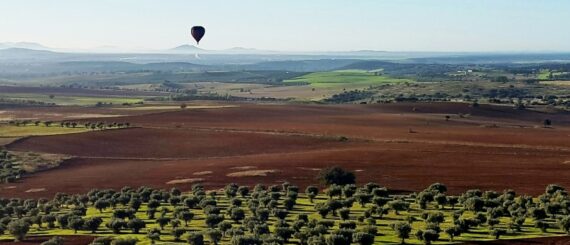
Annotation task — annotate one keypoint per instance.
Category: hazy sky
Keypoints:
(299, 25)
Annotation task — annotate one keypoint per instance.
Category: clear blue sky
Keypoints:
(299, 25)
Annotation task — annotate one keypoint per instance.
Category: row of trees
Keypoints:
(105, 125)
(29, 122)
(72, 124)
(275, 215)
(9, 171)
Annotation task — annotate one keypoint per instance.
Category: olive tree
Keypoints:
(18, 229)
(403, 230)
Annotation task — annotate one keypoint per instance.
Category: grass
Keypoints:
(173, 107)
(385, 234)
(557, 83)
(7, 140)
(251, 173)
(70, 100)
(345, 79)
(544, 75)
(32, 162)
(8, 131)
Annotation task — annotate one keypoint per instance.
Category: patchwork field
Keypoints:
(349, 79)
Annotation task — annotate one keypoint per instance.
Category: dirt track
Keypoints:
(491, 148)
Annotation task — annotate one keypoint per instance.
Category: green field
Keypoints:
(557, 83)
(10, 131)
(545, 74)
(70, 100)
(378, 213)
(345, 79)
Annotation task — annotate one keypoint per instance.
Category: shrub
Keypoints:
(195, 238)
(452, 232)
(237, 214)
(344, 213)
(124, 241)
(117, 225)
(337, 176)
(543, 226)
(336, 240)
(284, 232)
(497, 233)
(245, 240)
(93, 223)
(428, 236)
(215, 236)
(136, 225)
(213, 219)
(102, 241)
(564, 224)
(54, 241)
(347, 225)
(177, 233)
(363, 238)
(153, 235)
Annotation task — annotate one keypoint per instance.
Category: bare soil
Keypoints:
(402, 146)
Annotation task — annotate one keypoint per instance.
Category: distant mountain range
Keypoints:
(184, 49)
(236, 50)
(187, 48)
(26, 45)
(31, 53)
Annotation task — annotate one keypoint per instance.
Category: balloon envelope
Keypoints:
(198, 32)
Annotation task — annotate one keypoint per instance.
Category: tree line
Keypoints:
(71, 124)
(278, 214)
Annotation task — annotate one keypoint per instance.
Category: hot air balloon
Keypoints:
(198, 33)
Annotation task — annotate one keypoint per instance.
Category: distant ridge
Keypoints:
(187, 48)
(23, 45)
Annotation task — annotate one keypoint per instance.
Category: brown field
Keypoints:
(75, 91)
(561, 240)
(300, 92)
(489, 147)
(56, 113)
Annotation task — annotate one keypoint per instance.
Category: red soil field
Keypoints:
(152, 143)
(562, 240)
(392, 144)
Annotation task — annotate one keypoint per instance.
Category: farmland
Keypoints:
(187, 132)
(284, 122)
(22, 131)
(349, 79)
(290, 215)
(500, 145)
(403, 146)
(71, 100)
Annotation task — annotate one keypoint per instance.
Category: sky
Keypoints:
(292, 25)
